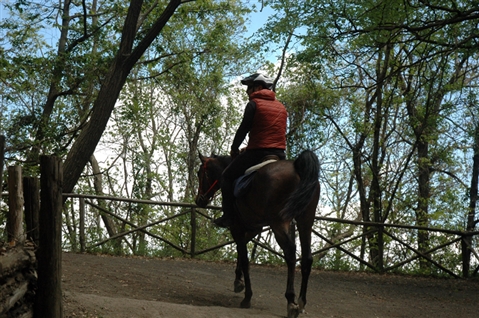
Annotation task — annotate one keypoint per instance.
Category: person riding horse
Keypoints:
(265, 119)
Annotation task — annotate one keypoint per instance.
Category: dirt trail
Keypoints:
(105, 286)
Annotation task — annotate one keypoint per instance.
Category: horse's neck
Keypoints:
(224, 161)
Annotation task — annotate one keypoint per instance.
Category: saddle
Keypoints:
(243, 183)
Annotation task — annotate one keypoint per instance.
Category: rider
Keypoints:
(265, 119)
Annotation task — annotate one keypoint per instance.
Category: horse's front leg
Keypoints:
(238, 284)
(248, 236)
(243, 263)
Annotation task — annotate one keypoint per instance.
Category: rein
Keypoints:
(208, 195)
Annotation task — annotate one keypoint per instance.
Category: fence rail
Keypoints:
(381, 229)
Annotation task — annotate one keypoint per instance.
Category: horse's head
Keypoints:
(209, 178)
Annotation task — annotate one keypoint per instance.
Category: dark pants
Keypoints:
(237, 167)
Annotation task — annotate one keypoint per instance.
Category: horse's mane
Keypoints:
(224, 160)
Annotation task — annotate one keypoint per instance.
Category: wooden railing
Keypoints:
(190, 209)
(371, 228)
(381, 230)
(384, 229)
(48, 232)
(47, 229)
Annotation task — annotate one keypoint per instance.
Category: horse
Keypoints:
(279, 193)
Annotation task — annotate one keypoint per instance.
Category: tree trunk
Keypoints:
(471, 215)
(422, 216)
(378, 140)
(2, 158)
(56, 78)
(98, 185)
(84, 146)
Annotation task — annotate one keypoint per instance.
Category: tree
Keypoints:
(169, 104)
(365, 54)
(473, 189)
(100, 45)
(124, 61)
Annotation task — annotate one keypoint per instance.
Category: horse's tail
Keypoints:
(307, 167)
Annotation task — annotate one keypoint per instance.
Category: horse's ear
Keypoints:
(202, 158)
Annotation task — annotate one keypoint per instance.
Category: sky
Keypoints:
(257, 19)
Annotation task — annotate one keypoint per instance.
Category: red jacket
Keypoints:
(269, 122)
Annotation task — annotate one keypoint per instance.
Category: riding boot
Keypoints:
(226, 220)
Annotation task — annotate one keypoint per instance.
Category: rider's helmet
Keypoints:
(257, 78)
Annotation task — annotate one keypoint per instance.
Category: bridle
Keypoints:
(209, 194)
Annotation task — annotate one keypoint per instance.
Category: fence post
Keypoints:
(32, 207)
(82, 225)
(467, 250)
(48, 302)
(193, 232)
(15, 203)
(381, 247)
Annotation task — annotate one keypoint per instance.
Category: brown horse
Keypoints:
(279, 192)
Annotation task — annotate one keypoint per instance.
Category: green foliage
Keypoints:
(397, 73)
(384, 92)
(170, 107)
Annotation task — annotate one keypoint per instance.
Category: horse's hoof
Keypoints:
(238, 286)
(293, 310)
(301, 305)
(245, 304)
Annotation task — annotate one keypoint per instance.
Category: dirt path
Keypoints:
(105, 286)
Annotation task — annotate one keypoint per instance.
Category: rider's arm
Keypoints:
(245, 125)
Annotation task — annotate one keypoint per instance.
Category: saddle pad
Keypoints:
(241, 185)
(259, 165)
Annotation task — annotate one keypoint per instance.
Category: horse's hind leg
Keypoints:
(305, 225)
(288, 245)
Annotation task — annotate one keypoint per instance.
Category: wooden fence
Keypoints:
(190, 209)
(382, 230)
(46, 230)
(43, 232)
